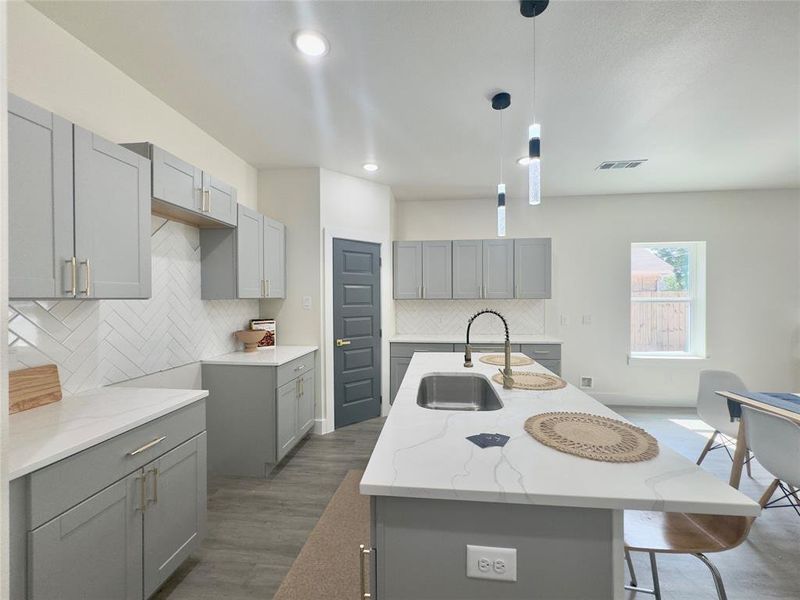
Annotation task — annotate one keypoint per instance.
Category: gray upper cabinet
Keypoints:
(79, 208)
(467, 269)
(186, 193)
(175, 181)
(498, 269)
(407, 270)
(274, 260)
(93, 550)
(175, 519)
(246, 262)
(437, 269)
(219, 199)
(40, 209)
(112, 219)
(249, 253)
(532, 259)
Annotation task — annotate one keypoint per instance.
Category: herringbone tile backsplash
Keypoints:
(99, 342)
(450, 316)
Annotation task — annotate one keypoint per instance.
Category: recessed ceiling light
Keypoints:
(310, 43)
(523, 160)
(371, 167)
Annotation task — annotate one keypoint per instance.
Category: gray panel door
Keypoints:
(175, 518)
(221, 199)
(437, 269)
(407, 270)
(498, 268)
(305, 406)
(356, 322)
(274, 258)
(467, 268)
(397, 370)
(176, 181)
(249, 253)
(287, 416)
(93, 550)
(532, 259)
(40, 231)
(112, 219)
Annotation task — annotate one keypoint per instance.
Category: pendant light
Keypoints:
(500, 102)
(530, 9)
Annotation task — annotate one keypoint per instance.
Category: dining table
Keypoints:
(786, 405)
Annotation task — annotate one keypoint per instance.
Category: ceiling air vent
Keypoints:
(619, 164)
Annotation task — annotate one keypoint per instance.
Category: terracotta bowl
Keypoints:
(250, 338)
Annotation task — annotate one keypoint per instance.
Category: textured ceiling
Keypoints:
(708, 91)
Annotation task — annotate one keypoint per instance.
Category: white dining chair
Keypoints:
(775, 442)
(713, 409)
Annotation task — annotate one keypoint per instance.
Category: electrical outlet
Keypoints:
(306, 302)
(565, 320)
(587, 382)
(587, 319)
(485, 562)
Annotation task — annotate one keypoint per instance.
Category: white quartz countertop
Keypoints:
(423, 453)
(42, 436)
(265, 357)
(460, 338)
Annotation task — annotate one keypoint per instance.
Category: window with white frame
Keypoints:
(668, 299)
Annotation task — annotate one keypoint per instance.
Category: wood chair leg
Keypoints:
(708, 446)
(717, 577)
(768, 493)
(654, 569)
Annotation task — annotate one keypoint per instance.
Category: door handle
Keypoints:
(340, 343)
(364, 553)
(154, 471)
(73, 289)
(88, 277)
(147, 446)
(142, 492)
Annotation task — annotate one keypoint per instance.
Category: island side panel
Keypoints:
(562, 553)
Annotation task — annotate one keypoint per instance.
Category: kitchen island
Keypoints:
(434, 492)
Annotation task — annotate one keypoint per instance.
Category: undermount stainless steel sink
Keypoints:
(457, 392)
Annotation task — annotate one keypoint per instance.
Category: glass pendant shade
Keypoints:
(501, 210)
(534, 166)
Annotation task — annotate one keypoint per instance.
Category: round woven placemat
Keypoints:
(500, 360)
(593, 437)
(529, 380)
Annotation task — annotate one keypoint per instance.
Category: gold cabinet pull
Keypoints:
(142, 480)
(364, 553)
(73, 289)
(267, 288)
(88, 288)
(147, 446)
(299, 368)
(340, 343)
(154, 471)
(206, 200)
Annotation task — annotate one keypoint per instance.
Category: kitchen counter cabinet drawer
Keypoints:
(487, 347)
(542, 351)
(292, 370)
(62, 485)
(551, 365)
(406, 350)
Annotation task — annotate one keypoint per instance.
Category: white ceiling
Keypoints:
(709, 92)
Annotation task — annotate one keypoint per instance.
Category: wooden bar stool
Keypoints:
(681, 533)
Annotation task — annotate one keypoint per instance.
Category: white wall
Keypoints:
(55, 70)
(752, 257)
(4, 563)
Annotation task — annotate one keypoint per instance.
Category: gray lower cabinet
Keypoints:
(498, 269)
(174, 518)
(468, 269)
(184, 192)
(400, 354)
(246, 262)
(532, 260)
(257, 414)
(547, 355)
(437, 270)
(79, 211)
(407, 270)
(93, 550)
(112, 522)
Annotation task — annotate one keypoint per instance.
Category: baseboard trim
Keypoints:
(614, 399)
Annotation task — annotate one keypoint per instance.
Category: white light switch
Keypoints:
(587, 319)
(485, 562)
(306, 302)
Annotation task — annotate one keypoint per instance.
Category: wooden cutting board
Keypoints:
(34, 387)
